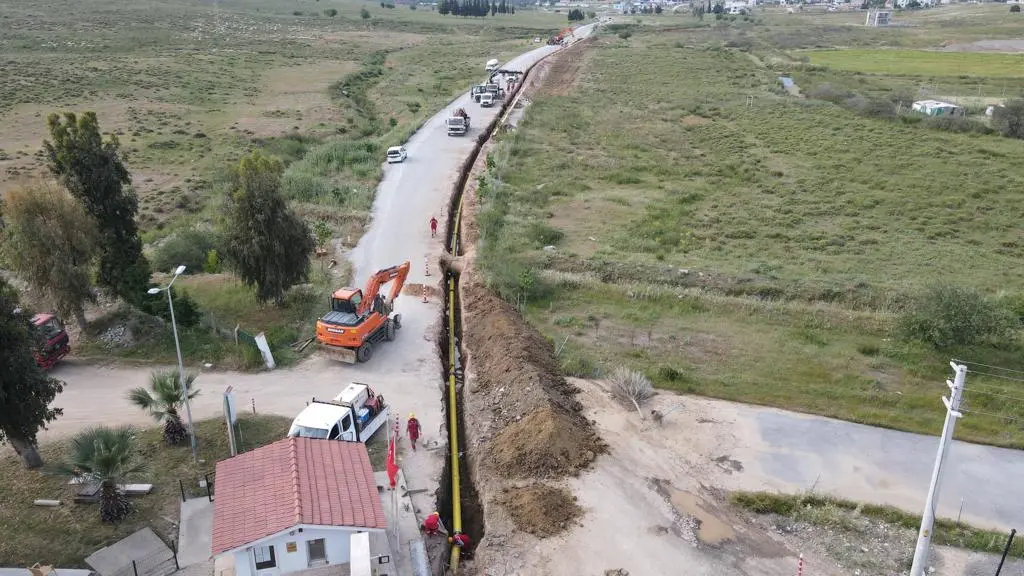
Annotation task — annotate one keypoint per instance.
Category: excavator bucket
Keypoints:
(338, 353)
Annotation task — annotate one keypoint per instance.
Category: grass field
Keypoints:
(734, 242)
(28, 534)
(189, 88)
(922, 63)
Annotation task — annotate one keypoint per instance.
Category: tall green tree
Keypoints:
(268, 245)
(105, 456)
(91, 169)
(50, 241)
(164, 400)
(25, 390)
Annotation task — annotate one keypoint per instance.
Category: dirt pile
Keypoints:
(546, 444)
(541, 510)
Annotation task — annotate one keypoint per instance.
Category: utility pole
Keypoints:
(924, 537)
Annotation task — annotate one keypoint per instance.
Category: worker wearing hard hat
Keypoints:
(414, 429)
(432, 524)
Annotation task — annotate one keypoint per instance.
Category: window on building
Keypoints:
(317, 552)
(264, 557)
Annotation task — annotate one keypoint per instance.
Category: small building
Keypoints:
(295, 505)
(937, 108)
(878, 18)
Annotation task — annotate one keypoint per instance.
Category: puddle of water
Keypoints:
(712, 530)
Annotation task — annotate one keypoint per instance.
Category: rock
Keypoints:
(683, 271)
(549, 248)
(591, 238)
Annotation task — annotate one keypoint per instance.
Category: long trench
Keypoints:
(458, 501)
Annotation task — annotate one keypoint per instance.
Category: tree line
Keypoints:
(75, 234)
(475, 7)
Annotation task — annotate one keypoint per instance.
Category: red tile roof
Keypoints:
(290, 482)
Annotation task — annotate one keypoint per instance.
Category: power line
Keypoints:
(997, 376)
(999, 391)
(1000, 416)
(989, 366)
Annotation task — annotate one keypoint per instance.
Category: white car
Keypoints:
(397, 154)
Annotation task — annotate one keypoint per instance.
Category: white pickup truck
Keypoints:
(354, 415)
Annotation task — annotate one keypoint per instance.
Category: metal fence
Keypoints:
(160, 563)
(197, 487)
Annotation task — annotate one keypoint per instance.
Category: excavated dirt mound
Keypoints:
(546, 444)
(541, 510)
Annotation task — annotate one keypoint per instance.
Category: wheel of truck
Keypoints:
(389, 331)
(365, 352)
(398, 321)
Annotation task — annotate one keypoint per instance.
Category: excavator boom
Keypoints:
(394, 274)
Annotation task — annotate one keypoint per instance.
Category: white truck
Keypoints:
(458, 123)
(491, 65)
(487, 100)
(354, 416)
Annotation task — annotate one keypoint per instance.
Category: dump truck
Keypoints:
(353, 415)
(55, 340)
(458, 123)
(360, 319)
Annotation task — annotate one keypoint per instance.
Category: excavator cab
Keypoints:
(359, 319)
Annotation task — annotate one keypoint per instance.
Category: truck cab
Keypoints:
(487, 100)
(354, 415)
(491, 65)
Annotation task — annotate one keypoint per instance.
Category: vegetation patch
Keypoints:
(842, 514)
(920, 62)
(28, 532)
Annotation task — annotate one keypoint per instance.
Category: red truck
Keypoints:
(55, 340)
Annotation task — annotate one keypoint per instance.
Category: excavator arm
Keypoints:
(394, 274)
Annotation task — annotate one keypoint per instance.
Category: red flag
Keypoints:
(392, 465)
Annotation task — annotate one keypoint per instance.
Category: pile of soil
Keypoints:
(540, 510)
(545, 444)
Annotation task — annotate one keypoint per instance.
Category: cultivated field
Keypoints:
(189, 88)
(734, 240)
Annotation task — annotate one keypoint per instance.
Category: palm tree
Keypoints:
(163, 400)
(104, 456)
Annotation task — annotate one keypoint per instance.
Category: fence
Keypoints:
(197, 488)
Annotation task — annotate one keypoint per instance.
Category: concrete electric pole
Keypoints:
(924, 537)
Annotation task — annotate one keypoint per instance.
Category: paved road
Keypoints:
(795, 452)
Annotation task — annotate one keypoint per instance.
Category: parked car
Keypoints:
(397, 154)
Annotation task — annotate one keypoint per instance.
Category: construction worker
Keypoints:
(459, 539)
(432, 524)
(414, 429)
(433, 226)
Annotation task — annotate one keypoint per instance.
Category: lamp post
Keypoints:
(177, 346)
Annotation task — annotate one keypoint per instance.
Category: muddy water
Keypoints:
(712, 530)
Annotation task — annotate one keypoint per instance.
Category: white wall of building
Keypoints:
(336, 540)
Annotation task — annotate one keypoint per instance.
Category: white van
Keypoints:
(397, 154)
(487, 100)
(491, 65)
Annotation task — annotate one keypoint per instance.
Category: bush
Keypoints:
(828, 93)
(955, 124)
(186, 311)
(1009, 119)
(625, 34)
(946, 316)
(189, 247)
(1015, 8)
(330, 12)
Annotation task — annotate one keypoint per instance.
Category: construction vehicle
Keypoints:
(353, 416)
(458, 123)
(491, 65)
(55, 340)
(360, 319)
(560, 37)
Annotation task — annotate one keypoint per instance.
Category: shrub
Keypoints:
(1015, 8)
(330, 12)
(868, 348)
(828, 93)
(1009, 119)
(945, 316)
(625, 34)
(955, 124)
(577, 365)
(212, 265)
(631, 387)
(186, 311)
(189, 247)
(669, 374)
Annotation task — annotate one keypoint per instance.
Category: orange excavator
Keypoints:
(359, 319)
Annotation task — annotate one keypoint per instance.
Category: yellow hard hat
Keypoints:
(411, 415)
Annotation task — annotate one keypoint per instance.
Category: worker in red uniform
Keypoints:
(432, 524)
(459, 539)
(433, 226)
(414, 429)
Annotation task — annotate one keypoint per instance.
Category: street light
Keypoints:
(181, 366)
